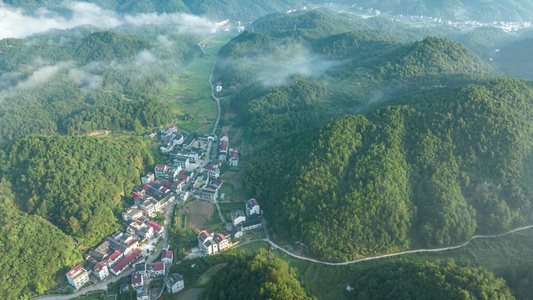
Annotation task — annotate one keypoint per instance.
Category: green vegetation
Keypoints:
(86, 83)
(34, 251)
(401, 279)
(409, 175)
(75, 183)
(266, 277)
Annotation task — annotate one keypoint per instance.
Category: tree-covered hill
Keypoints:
(233, 9)
(33, 250)
(86, 83)
(514, 59)
(263, 277)
(75, 183)
(313, 24)
(402, 279)
(430, 170)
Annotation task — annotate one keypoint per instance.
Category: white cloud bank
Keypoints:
(15, 24)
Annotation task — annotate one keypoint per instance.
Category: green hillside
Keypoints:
(429, 171)
(402, 279)
(34, 251)
(75, 183)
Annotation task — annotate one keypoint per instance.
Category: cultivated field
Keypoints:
(196, 213)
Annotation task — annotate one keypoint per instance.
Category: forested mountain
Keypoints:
(33, 250)
(235, 9)
(357, 68)
(59, 195)
(264, 277)
(428, 171)
(86, 84)
(402, 279)
(76, 183)
(514, 59)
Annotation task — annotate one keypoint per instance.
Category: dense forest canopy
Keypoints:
(429, 171)
(86, 83)
(403, 279)
(75, 183)
(33, 250)
(264, 277)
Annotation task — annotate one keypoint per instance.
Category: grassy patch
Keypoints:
(208, 275)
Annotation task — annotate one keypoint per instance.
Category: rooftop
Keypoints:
(136, 278)
(159, 266)
(126, 261)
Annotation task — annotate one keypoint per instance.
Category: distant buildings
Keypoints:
(78, 276)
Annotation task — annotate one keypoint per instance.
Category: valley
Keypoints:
(389, 157)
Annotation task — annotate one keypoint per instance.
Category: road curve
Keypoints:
(395, 254)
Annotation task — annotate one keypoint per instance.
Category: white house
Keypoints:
(252, 207)
(223, 147)
(206, 243)
(166, 171)
(101, 270)
(167, 256)
(174, 283)
(159, 268)
(237, 217)
(77, 277)
(148, 178)
(222, 242)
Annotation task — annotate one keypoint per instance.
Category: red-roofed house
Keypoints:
(222, 242)
(125, 262)
(137, 280)
(166, 183)
(223, 147)
(167, 257)
(234, 158)
(184, 175)
(177, 186)
(78, 276)
(101, 270)
(156, 227)
(159, 268)
(112, 259)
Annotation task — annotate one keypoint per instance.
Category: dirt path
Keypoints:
(98, 132)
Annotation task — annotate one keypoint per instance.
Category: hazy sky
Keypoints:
(14, 23)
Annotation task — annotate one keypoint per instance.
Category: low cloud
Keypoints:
(39, 77)
(14, 23)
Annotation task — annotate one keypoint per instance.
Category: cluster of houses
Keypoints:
(159, 189)
(210, 244)
(170, 138)
(142, 271)
(216, 243)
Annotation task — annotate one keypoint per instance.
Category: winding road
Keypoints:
(391, 254)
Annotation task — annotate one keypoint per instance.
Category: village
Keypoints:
(189, 173)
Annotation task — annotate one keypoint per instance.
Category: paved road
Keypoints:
(393, 254)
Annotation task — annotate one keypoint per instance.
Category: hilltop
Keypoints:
(430, 170)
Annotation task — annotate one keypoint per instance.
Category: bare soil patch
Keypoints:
(230, 113)
(198, 212)
(226, 128)
(237, 136)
